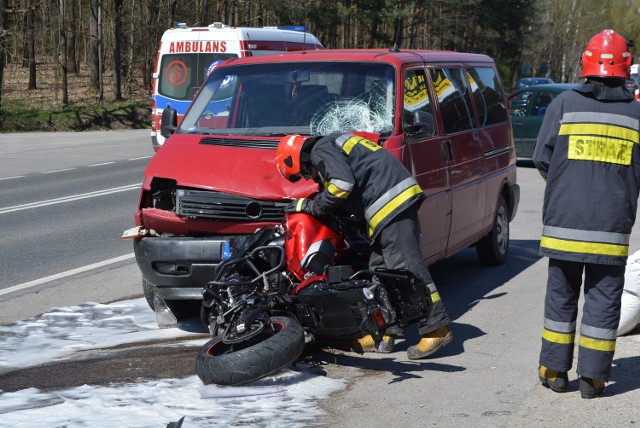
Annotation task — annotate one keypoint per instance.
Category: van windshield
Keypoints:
(312, 98)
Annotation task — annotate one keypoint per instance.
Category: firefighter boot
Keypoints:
(591, 388)
(552, 379)
(430, 343)
(367, 344)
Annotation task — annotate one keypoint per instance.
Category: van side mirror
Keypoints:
(169, 122)
(423, 123)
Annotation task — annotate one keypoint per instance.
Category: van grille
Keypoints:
(241, 142)
(225, 207)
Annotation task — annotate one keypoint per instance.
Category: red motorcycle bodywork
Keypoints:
(310, 245)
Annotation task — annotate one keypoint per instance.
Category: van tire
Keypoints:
(494, 248)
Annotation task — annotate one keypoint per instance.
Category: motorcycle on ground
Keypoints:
(287, 285)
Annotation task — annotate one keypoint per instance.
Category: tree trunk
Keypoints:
(100, 74)
(72, 51)
(3, 43)
(31, 45)
(94, 45)
(63, 54)
(117, 50)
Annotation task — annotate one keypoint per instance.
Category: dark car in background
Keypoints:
(531, 81)
(633, 85)
(527, 107)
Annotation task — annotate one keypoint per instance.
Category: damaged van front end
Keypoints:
(215, 178)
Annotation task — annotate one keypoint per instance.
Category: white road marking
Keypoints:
(68, 273)
(100, 164)
(58, 170)
(11, 178)
(141, 157)
(69, 198)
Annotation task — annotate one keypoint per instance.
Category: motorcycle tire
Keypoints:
(225, 364)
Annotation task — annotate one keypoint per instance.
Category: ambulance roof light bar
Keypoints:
(218, 25)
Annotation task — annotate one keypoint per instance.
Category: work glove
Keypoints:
(299, 206)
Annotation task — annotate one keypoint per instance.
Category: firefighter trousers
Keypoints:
(603, 286)
(398, 247)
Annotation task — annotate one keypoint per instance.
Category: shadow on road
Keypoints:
(463, 282)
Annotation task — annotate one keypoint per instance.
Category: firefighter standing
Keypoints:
(588, 152)
(359, 177)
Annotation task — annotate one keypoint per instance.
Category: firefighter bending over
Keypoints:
(359, 177)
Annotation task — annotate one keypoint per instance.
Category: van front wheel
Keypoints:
(493, 248)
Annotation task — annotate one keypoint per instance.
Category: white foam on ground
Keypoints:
(288, 399)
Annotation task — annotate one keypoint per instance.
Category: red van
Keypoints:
(443, 114)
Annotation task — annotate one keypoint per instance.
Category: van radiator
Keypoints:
(225, 207)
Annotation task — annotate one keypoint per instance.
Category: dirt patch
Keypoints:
(106, 367)
(42, 109)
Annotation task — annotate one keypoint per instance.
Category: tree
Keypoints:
(94, 43)
(30, 44)
(63, 52)
(4, 36)
(117, 50)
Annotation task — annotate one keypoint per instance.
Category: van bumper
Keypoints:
(179, 267)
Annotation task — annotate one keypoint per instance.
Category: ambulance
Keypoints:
(187, 55)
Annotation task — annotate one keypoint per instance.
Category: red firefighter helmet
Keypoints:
(607, 55)
(289, 156)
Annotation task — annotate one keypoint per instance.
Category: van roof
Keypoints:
(403, 56)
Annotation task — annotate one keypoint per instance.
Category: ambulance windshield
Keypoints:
(181, 74)
(306, 97)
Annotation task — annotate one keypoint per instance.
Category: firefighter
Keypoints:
(588, 153)
(359, 177)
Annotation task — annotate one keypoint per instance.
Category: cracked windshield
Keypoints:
(303, 98)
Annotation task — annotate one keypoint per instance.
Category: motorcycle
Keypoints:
(286, 285)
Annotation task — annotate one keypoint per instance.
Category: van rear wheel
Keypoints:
(494, 248)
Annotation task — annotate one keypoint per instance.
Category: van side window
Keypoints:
(417, 112)
(487, 95)
(454, 98)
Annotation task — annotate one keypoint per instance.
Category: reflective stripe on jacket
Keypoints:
(589, 153)
(363, 179)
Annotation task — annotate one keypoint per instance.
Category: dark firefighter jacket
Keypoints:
(588, 151)
(360, 177)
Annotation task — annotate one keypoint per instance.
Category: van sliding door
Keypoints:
(429, 162)
(465, 154)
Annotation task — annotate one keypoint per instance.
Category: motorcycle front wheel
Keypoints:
(234, 364)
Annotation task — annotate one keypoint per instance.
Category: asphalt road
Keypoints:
(65, 199)
(485, 378)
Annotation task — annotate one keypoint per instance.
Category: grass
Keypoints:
(41, 109)
(20, 116)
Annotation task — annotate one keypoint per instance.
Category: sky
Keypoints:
(287, 399)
